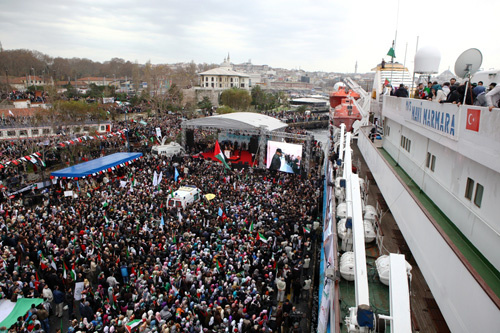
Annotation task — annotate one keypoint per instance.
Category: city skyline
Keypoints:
(313, 36)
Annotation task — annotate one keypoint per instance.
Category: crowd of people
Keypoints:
(453, 92)
(117, 252)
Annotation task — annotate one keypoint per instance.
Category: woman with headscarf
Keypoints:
(437, 93)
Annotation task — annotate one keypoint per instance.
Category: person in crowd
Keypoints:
(493, 96)
(402, 91)
(479, 88)
(420, 92)
(437, 94)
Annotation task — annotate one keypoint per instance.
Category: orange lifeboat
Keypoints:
(337, 96)
(346, 113)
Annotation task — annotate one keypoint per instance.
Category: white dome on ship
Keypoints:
(427, 60)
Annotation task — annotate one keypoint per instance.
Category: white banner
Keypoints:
(78, 291)
(324, 307)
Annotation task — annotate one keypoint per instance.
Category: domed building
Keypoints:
(224, 77)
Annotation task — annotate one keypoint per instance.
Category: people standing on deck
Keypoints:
(493, 96)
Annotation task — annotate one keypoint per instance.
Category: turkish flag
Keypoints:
(473, 116)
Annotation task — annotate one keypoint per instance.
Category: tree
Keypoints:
(235, 98)
(205, 103)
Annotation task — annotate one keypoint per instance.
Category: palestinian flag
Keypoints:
(72, 273)
(219, 155)
(132, 324)
(306, 230)
(251, 227)
(261, 237)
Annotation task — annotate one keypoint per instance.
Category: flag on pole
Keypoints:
(220, 212)
(219, 155)
(12, 114)
(162, 223)
(306, 230)
(386, 82)
(251, 227)
(73, 272)
(176, 174)
(261, 237)
(53, 263)
(391, 52)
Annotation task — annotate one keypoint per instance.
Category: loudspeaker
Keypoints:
(189, 138)
(253, 146)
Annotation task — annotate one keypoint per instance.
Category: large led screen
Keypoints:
(282, 156)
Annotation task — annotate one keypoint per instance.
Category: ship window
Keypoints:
(11, 133)
(409, 145)
(469, 188)
(46, 131)
(34, 132)
(430, 162)
(479, 195)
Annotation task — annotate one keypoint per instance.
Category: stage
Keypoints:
(241, 158)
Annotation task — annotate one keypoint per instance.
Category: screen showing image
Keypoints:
(282, 156)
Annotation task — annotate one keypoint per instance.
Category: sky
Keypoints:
(313, 35)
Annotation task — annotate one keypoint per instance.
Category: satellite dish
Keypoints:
(468, 63)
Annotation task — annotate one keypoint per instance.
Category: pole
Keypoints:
(413, 79)
(404, 65)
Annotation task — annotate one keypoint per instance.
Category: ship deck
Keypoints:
(426, 316)
(483, 267)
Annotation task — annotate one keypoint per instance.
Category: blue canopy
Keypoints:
(97, 165)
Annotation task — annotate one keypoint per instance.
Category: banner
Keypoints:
(78, 291)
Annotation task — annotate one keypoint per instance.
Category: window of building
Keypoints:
(206, 78)
(478, 198)
(103, 128)
(212, 84)
(231, 85)
(469, 188)
(220, 85)
(231, 81)
(34, 132)
(46, 131)
(212, 78)
(242, 85)
(206, 84)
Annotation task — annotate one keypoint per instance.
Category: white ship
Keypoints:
(438, 168)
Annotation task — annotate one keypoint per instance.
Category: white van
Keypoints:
(184, 196)
(173, 148)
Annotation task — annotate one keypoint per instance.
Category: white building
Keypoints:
(224, 77)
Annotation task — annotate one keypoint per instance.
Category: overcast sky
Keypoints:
(315, 35)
